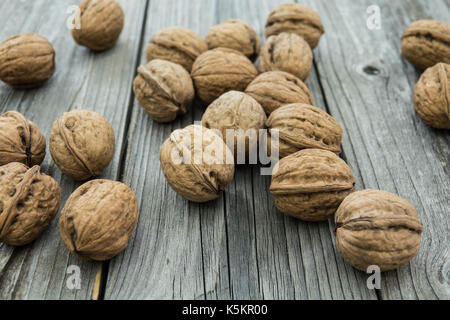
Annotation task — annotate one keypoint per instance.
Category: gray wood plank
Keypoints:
(96, 81)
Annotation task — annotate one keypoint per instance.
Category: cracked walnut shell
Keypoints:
(286, 52)
(82, 144)
(311, 184)
(426, 42)
(197, 163)
(176, 44)
(220, 70)
(376, 227)
(298, 19)
(273, 89)
(98, 219)
(100, 24)
(164, 89)
(234, 34)
(26, 60)
(29, 200)
(432, 96)
(20, 140)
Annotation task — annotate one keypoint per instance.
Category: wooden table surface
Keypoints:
(239, 246)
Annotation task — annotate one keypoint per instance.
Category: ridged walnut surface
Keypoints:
(20, 140)
(301, 126)
(176, 44)
(240, 113)
(220, 70)
(29, 200)
(101, 22)
(426, 42)
(298, 19)
(164, 89)
(273, 89)
(98, 219)
(237, 35)
(286, 52)
(376, 227)
(432, 96)
(26, 60)
(311, 184)
(82, 144)
(197, 163)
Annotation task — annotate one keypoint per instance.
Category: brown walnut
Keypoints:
(100, 25)
(98, 219)
(82, 144)
(20, 140)
(426, 42)
(220, 70)
(234, 34)
(164, 89)
(26, 60)
(298, 19)
(197, 163)
(376, 227)
(311, 184)
(301, 126)
(176, 44)
(29, 200)
(286, 52)
(432, 96)
(273, 89)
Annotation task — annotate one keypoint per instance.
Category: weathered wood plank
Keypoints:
(100, 82)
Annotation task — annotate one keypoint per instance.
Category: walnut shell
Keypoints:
(286, 52)
(234, 34)
(101, 22)
(240, 113)
(276, 88)
(432, 96)
(197, 163)
(20, 140)
(301, 126)
(98, 219)
(376, 227)
(298, 19)
(164, 89)
(220, 70)
(176, 44)
(426, 42)
(311, 184)
(29, 200)
(27, 60)
(82, 144)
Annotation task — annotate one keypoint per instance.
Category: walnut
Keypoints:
(26, 60)
(301, 126)
(20, 140)
(286, 52)
(197, 163)
(240, 113)
(100, 25)
(298, 19)
(273, 89)
(376, 227)
(432, 96)
(220, 70)
(176, 44)
(426, 42)
(164, 89)
(29, 200)
(311, 183)
(82, 144)
(237, 35)
(98, 219)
